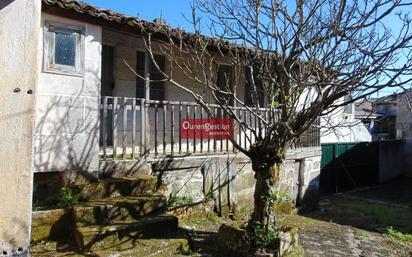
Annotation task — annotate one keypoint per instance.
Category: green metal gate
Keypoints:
(349, 165)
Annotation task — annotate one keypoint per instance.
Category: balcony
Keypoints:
(133, 128)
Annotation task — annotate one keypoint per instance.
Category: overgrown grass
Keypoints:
(383, 215)
(398, 235)
(176, 200)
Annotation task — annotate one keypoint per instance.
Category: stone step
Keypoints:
(124, 234)
(111, 210)
(118, 187)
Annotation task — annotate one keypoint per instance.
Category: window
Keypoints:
(157, 87)
(225, 81)
(249, 101)
(63, 49)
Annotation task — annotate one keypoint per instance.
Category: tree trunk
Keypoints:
(266, 184)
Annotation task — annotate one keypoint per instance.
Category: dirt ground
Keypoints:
(353, 224)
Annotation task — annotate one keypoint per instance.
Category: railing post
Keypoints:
(142, 127)
(172, 128)
(147, 127)
(133, 128)
(124, 137)
(114, 121)
(180, 132)
(201, 131)
(187, 138)
(164, 128)
(194, 131)
(239, 127)
(156, 125)
(214, 138)
(208, 135)
(103, 122)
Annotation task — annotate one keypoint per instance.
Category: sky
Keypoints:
(172, 11)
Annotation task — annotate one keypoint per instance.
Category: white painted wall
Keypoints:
(67, 112)
(342, 127)
(19, 31)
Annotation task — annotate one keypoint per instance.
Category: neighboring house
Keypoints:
(341, 126)
(404, 127)
(94, 117)
(404, 116)
(379, 116)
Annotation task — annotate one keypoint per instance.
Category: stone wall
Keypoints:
(229, 179)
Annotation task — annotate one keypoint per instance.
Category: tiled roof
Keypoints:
(147, 26)
(106, 14)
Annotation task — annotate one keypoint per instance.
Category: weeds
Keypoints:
(175, 200)
(264, 236)
(391, 232)
(67, 198)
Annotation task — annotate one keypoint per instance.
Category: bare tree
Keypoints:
(303, 60)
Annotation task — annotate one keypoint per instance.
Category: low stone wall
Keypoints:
(229, 179)
(51, 224)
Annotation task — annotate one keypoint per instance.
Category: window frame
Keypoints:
(260, 87)
(220, 67)
(140, 83)
(50, 66)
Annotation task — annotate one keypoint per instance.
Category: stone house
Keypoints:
(95, 118)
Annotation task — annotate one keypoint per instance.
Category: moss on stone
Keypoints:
(49, 224)
(233, 241)
(142, 247)
(40, 232)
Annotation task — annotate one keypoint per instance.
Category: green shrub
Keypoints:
(264, 237)
(390, 231)
(67, 198)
